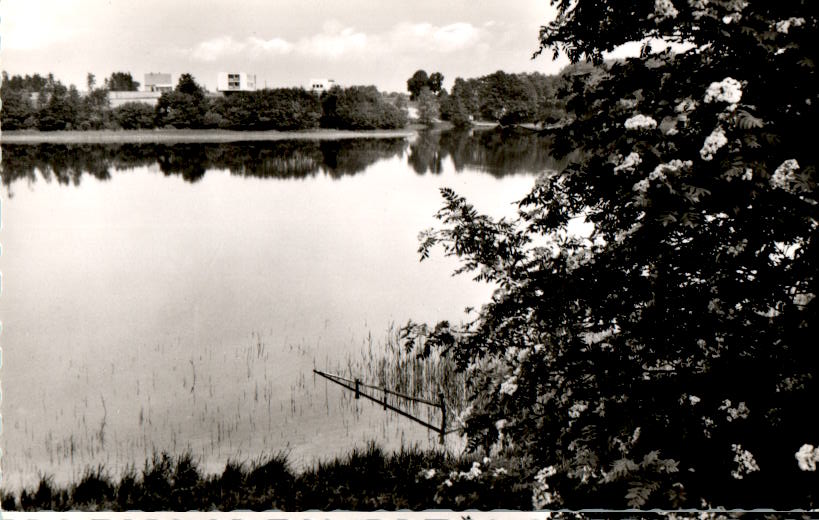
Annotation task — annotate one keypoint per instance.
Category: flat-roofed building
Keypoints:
(158, 82)
(120, 97)
(321, 84)
(235, 82)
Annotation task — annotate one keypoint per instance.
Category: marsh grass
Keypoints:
(366, 478)
(247, 416)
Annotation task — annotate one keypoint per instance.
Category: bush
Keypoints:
(134, 115)
(359, 108)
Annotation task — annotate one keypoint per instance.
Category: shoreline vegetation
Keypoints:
(195, 135)
(365, 479)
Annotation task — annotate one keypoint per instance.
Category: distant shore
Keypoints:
(193, 136)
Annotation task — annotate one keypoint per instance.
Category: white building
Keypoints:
(157, 82)
(321, 84)
(235, 82)
(117, 98)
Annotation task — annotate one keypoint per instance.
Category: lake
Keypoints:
(178, 296)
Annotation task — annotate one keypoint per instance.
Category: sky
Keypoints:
(283, 42)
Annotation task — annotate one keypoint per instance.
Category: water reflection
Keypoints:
(498, 152)
(67, 163)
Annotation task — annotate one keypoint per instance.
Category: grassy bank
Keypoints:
(365, 479)
(191, 136)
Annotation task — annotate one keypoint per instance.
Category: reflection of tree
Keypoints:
(67, 163)
(497, 151)
(354, 155)
(426, 153)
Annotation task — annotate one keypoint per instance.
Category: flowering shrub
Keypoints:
(667, 359)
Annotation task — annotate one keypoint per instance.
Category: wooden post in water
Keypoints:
(357, 390)
(385, 398)
(443, 416)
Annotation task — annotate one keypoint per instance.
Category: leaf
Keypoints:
(746, 121)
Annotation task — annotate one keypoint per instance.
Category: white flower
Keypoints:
(664, 9)
(641, 186)
(728, 90)
(673, 166)
(640, 121)
(541, 496)
(748, 175)
(784, 26)
(745, 462)
(698, 4)
(741, 411)
(578, 408)
(428, 474)
(733, 17)
(509, 387)
(783, 176)
(694, 399)
(713, 142)
(807, 457)
(628, 164)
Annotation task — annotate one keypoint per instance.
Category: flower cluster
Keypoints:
(674, 165)
(664, 9)
(510, 386)
(641, 186)
(629, 163)
(783, 176)
(745, 462)
(713, 142)
(578, 408)
(784, 26)
(541, 494)
(741, 411)
(728, 90)
(807, 457)
(640, 121)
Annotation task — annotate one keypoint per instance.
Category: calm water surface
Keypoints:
(177, 297)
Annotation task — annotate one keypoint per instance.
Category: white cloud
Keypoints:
(336, 40)
(431, 38)
(333, 41)
(273, 46)
(217, 48)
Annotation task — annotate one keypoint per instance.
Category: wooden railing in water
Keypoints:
(356, 386)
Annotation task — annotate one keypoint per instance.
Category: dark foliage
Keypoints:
(668, 359)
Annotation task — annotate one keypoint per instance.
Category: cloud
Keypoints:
(258, 46)
(432, 38)
(336, 40)
(217, 48)
(333, 41)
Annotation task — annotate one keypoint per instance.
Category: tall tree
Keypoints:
(418, 81)
(668, 358)
(435, 82)
(121, 81)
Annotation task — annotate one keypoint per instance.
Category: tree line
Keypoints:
(44, 103)
(500, 97)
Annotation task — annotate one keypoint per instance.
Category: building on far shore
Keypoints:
(120, 97)
(320, 85)
(157, 82)
(235, 82)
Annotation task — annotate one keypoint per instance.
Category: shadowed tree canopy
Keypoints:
(418, 81)
(119, 81)
(667, 356)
